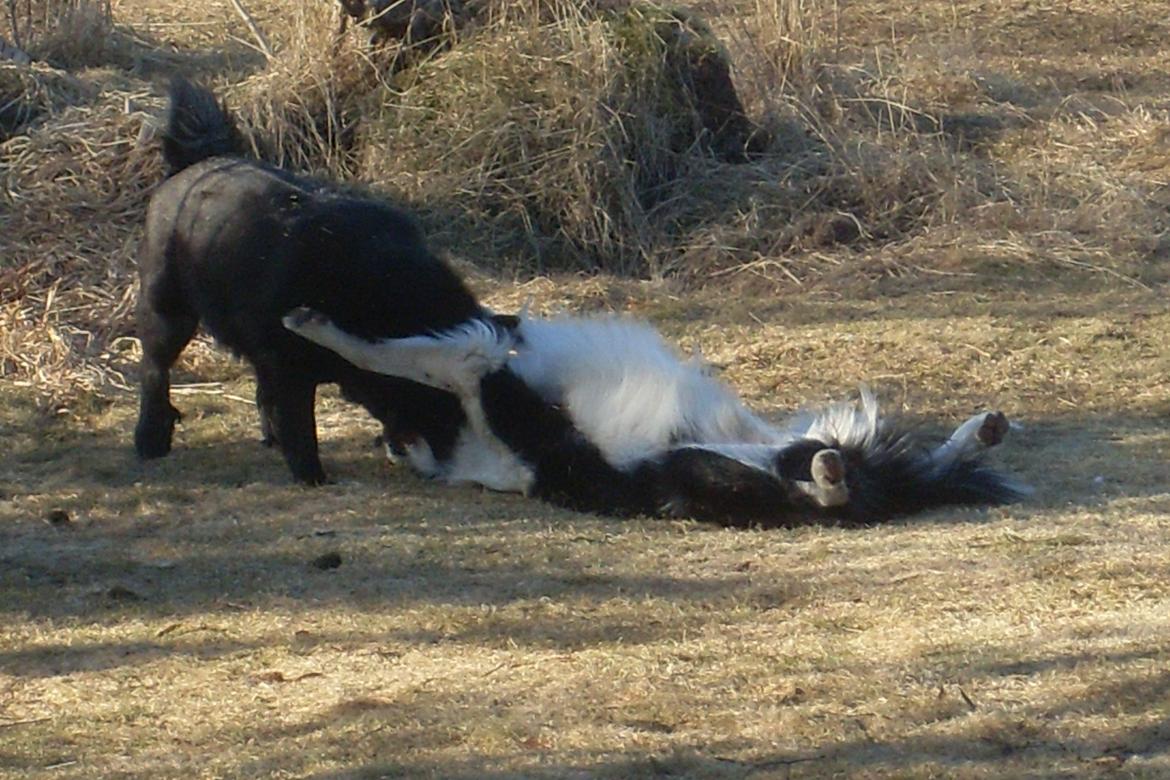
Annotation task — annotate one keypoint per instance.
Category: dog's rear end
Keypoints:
(233, 243)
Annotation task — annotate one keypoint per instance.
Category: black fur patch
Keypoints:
(233, 244)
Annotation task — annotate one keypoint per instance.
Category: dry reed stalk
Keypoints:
(64, 32)
(300, 112)
(551, 137)
(250, 23)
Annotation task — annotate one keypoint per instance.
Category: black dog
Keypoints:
(233, 244)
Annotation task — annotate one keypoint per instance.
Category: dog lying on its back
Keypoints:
(233, 243)
(601, 415)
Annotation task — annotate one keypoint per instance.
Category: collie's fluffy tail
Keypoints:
(198, 127)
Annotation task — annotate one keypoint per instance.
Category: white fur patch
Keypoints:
(848, 423)
(626, 390)
(487, 462)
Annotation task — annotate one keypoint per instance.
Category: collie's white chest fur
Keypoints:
(626, 390)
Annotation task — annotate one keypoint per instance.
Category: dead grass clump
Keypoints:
(788, 216)
(76, 186)
(65, 33)
(30, 92)
(584, 140)
(301, 112)
(553, 138)
(1094, 189)
(79, 181)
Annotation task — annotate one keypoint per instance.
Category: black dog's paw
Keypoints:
(152, 435)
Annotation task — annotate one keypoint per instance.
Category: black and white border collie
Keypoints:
(600, 414)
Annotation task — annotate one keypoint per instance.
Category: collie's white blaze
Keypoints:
(626, 390)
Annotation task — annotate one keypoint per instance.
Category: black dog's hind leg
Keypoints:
(163, 336)
(288, 408)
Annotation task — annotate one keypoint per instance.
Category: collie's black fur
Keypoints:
(888, 474)
(233, 243)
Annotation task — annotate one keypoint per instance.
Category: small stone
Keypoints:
(330, 560)
(122, 593)
(58, 518)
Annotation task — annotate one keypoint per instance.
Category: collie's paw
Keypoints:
(828, 473)
(303, 319)
(993, 429)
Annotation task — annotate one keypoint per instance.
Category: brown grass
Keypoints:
(963, 203)
(175, 624)
(68, 33)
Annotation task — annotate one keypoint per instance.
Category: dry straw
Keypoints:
(555, 136)
(67, 33)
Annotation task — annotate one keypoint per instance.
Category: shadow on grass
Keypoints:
(135, 50)
(218, 526)
(989, 739)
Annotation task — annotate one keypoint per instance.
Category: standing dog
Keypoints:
(599, 414)
(233, 243)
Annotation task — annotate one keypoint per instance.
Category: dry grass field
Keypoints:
(963, 203)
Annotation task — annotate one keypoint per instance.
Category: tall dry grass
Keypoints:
(553, 136)
(66, 33)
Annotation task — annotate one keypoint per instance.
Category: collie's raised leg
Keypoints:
(979, 433)
(454, 361)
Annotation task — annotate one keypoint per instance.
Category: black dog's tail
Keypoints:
(198, 127)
